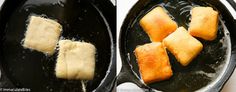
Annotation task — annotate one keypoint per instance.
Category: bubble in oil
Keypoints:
(22, 42)
(23, 57)
(128, 56)
(54, 3)
(27, 9)
(168, 5)
(43, 15)
(47, 54)
(85, 10)
(210, 75)
(43, 67)
(0, 74)
(171, 16)
(48, 87)
(73, 39)
(62, 38)
(79, 18)
(51, 90)
(98, 75)
(185, 10)
(84, 84)
(61, 3)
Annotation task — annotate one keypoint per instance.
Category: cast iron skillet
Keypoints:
(207, 72)
(85, 20)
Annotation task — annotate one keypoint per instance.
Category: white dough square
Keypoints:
(76, 60)
(42, 35)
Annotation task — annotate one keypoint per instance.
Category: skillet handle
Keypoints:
(127, 75)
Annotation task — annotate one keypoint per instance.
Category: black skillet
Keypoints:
(85, 20)
(207, 72)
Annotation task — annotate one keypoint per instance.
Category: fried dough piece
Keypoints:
(157, 24)
(153, 62)
(204, 23)
(183, 46)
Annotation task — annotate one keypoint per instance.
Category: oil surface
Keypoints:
(203, 70)
(31, 69)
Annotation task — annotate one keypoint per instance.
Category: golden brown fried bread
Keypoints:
(153, 62)
(204, 23)
(183, 46)
(42, 35)
(76, 60)
(157, 24)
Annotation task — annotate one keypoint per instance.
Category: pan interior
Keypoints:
(204, 70)
(81, 21)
